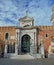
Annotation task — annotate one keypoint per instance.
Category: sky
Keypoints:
(12, 10)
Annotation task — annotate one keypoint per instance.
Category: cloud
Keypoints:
(41, 12)
(12, 10)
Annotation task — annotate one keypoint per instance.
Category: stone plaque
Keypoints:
(12, 37)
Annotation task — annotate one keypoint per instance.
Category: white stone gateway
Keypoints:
(26, 36)
(26, 27)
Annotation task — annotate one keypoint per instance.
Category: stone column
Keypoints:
(34, 43)
(33, 46)
(16, 45)
(18, 42)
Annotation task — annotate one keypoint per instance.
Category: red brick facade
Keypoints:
(42, 32)
(10, 30)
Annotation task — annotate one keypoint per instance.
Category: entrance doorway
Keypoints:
(25, 44)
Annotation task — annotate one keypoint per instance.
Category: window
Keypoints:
(6, 36)
(11, 48)
(46, 35)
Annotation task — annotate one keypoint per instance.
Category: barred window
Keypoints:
(11, 48)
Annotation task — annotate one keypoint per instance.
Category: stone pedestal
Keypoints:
(42, 51)
(16, 49)
(5, 51)
(33, 50)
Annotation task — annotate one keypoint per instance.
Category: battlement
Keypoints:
(46, 27)
(7, 28)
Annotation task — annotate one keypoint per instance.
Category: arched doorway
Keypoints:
(25, 44)
(51, 47)
(52, 42)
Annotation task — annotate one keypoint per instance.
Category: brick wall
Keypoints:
(10, 30)
(42, 31)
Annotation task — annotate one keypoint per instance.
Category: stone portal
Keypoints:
(25, 44)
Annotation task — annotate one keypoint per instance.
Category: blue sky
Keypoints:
(12, 10)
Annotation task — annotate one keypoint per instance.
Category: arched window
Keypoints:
(46, 35)
(6, 36)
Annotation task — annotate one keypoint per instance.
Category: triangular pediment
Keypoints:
(26, 18)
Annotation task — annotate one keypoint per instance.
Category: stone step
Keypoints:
(50, 55)
(22, 57)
